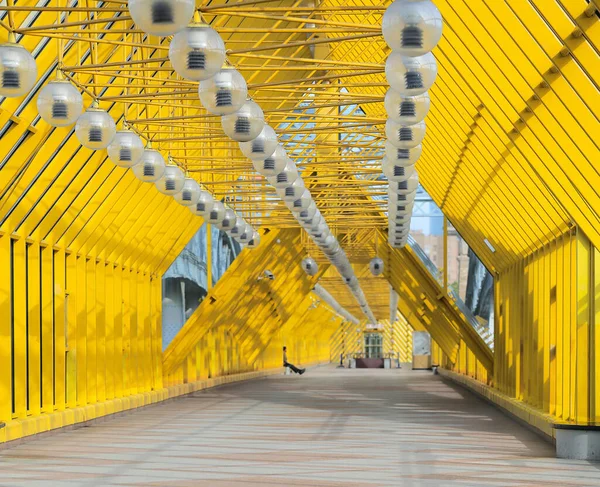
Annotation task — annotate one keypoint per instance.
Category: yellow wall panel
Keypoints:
(546, 310)
(510, 156)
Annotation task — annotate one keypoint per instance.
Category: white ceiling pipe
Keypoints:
(316, 226)
(333, 304)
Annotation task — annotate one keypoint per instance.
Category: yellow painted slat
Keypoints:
(60, 362)
(71, 330)
(6, 327)
(19, 360)
(34, 329)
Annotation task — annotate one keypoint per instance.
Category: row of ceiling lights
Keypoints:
(196, 52)
(411, 28)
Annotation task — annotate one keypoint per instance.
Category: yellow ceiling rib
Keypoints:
(506, 158)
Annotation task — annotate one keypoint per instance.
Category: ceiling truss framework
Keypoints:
(512, 148)
(285, 52)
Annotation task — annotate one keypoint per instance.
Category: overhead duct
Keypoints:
(334, 305)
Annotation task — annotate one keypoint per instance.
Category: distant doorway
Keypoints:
(373, 345)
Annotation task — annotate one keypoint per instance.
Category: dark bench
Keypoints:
(369, 363)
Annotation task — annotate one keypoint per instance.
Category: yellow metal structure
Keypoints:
(511, 157)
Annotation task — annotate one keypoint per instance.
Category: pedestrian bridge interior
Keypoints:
(149, 253)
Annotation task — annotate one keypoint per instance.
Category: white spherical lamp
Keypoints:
(246, 235)
(399, 218)
(126, 149)
(307, 213)
(197, 52)
(262, 146)
(320, 239)
(329, 242)
(412, 27)
(400, 197)
(224, 93)
(189, 194)
(204, 204)
(376, 266)
(310, 266)
(306, 224)
(216, 214)
(171, 181)
(161, 17)
(406, 110)
(18, 71)
(399, 230)
(293, 191)
(238, 227)
(410, 76)
(407, 186)
(400, 207)
(404, 136)
(151, 166)
(352, 282)
(286, 177)
(401, 157)
(398, 173)
(228, 221)
(318, 229)
(301, 203)
(330, 252)
(254, 240)
(95, 128)
(274, 164)
(59, 103)
(244, 125)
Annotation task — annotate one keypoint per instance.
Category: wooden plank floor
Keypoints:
(329, 427)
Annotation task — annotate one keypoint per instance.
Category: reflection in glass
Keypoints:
(224, 251)
(184, 286)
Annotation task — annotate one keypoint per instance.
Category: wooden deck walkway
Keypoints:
(330, 427)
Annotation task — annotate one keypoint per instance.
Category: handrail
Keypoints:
(485, 334)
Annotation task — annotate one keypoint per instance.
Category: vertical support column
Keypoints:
(570, 342)
(553, 326)
(133, 333)
(5, 329)
(33, 329)
(595, 337)
(560, 326)
(90, 264)
(118, 364)
(48, 330)
(19, 329)
(100, 330)
(126, 314)
(80, 302)
(145, 332)
(546, 287)
(109, 344)
(445, 255)
(71, 329)
(59, 329)
(157, 331)
(208, 257)
(582, 364)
